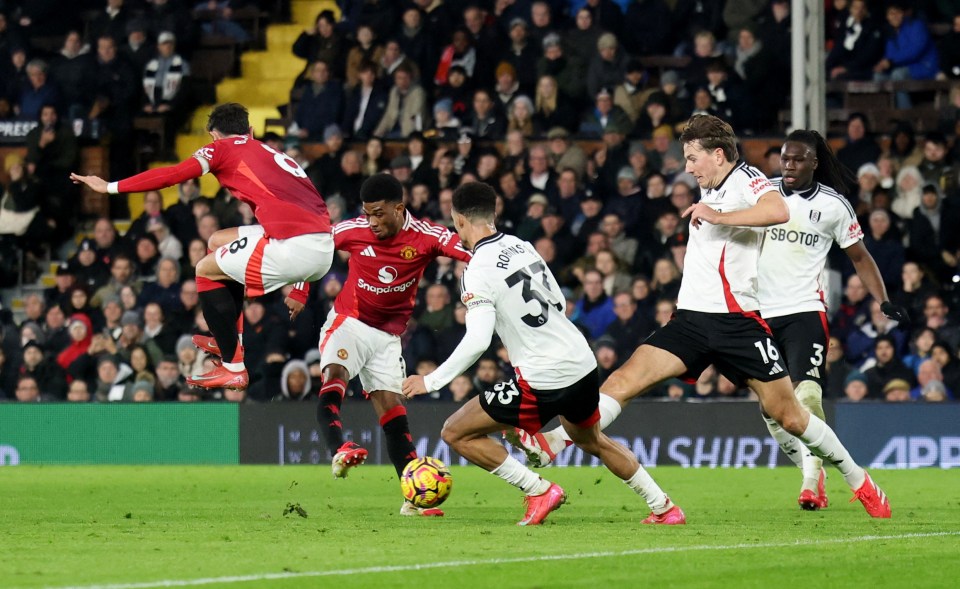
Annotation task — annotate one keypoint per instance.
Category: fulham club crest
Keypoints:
(814, 216)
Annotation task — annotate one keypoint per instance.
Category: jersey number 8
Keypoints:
(285, 161)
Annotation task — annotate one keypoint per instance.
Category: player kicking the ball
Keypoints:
(291, 244)
(717, 320)
(508, 288)
(389, 250)
(791, 295)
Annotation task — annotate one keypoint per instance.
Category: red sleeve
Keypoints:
(454, 249)
(300, 292)
(161, 177)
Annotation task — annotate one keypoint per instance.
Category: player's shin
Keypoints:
(328, 412)
(644, 485)
(825, 444)
(220, 311)
(790, 445)
(810, 396)
(396, 429)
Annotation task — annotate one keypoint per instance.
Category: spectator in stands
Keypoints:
(929, 376)
(137, 50)
(858, 46)
(52, 152)
(365, 103)
(111, 21)
(14, 77)
(163, 86)
(887, 251)
(320, 102)
(604, 114)
(607, 65)
(739, 13)
(406, 110)
(935, 167)
(631, 95)
(520, 117)
(167, 244)
(81, 334)
(147, 252)
(114, 105)
(860, 342)
(55, 329)
(418, 43)
(886, 367)
(64, 282)
(152, 209)
(181, 317)
(855, 387)
(437, 313)
(39, 91)
(838, 369)
(590, 22)
(630, 327)
(507, 87)
(157, 330)
(20, 217)
(907, 193)
(78, 302)
(487, 42)
(113, 378)
(915, 290)
(853, 311)
(861, 147)
(166, 289)
(565, 154)
(553, 109)
(70, 71)
(122, 272)
(132, 337)
(322, 43)
(522, 54)
(179, 216)
(366, 50)
(90, 272)
(615, 279)
(730, 98)
(567, 71)
(910, 53)
(217, 20)
(485, 121)
(936, 315)
(47, 374)
(925, 227)
(595, 308)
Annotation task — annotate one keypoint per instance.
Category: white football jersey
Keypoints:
(545, 348)
(795, 253)
(720, 267)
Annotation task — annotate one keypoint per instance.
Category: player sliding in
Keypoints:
(389, 250)
(716, 320)
(791, 296)
(292, 243)
(507, 287)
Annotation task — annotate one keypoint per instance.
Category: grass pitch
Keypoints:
(142, 527)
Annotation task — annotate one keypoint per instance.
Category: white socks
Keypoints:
(521, 477)
(823, 442)
(234, 366)
(790, 445)
(810, 396)
(644, 485)
(609, 411)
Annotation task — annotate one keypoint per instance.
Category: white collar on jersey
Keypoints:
(804, 194)
(407, 219)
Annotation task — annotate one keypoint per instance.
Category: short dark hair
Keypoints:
(381, 187)
(712, 133)
(230, 119)
(475, 200)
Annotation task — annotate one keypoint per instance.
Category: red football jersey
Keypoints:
(384, 275)
(283, 199)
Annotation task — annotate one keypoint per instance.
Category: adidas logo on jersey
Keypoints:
(368, 251)
(814, 372)
(776, 369)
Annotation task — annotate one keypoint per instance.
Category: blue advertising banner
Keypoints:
(901, 435)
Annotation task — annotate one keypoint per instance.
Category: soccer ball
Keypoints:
(426, 482)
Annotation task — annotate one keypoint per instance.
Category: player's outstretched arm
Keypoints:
(150, 180)
(770, 209)
(481, 323)
(868, 272)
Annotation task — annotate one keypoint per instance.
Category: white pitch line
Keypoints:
(519, 559)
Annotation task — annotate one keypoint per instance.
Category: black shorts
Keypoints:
(514, 403)
(739, 345)
(803, 339)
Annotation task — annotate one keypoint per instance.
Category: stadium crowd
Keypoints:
(549, 102)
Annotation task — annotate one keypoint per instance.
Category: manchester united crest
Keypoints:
(408, 252)
(342, 354)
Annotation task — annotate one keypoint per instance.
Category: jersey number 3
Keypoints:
(524, 276)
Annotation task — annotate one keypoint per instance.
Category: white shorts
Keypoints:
(372, 354)
(265, 264)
